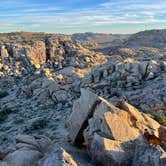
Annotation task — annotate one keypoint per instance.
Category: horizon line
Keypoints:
(97, 32)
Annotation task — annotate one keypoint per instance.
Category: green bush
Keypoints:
(3, 94)
(4, 113)
(161, 119)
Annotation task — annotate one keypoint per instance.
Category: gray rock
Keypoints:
(82, 110)
(146, 155)
(22, 157)
(162, 160)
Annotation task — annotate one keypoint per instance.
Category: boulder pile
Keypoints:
(40, 151)
(115, 135)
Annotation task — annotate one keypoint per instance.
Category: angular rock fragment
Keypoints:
(109, 152)
(83, 109)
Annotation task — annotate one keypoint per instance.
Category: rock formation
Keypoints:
(114, 135)
(41, 75)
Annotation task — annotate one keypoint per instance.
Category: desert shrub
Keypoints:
(3, 94)
(4, 113)
(18, 120)
(38, 124)
(161, 119)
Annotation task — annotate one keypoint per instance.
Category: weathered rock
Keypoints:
(37, 53)
(27, 140)
(61, 96)
(122, 125)
(162, 159)
(146, 155)
(58, 158)
(3, 52)
(28, 151)
(5, 152)
(113, 132)
(109, 152)
(97, 122)
(139, 120)
(162, 133)
(79, 119)
(42, 78)
(22, 157)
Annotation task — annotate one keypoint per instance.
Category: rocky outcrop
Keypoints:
(42, 75)
(54, 52)
(114, 135)
(131, 81)
(37, 54)
(40, 151)
(27, 152)
(151, 38)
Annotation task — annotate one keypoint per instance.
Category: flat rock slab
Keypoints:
(82, 110)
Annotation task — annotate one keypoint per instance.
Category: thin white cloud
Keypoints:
(117, 12)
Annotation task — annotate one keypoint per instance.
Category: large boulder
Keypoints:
(112, 133)
(28, 151)
(125, 124)
(109, 152)
(22, 157)
(82, 111)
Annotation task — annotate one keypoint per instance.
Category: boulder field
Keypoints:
(99, 133)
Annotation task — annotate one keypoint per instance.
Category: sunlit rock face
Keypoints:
(114, 135)
(141, 83)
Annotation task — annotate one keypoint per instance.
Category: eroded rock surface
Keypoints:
(40, 151)
(114, 135)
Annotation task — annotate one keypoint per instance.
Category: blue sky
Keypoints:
(71, 16)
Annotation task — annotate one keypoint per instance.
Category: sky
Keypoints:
(74, 16)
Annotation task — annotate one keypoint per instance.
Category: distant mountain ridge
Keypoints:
(98, 37)
(148, 38)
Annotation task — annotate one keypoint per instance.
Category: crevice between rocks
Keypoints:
(80, 138)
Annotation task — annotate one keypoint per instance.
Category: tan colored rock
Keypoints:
(1, 66)
(139, 119)
(119, 125)
(113, 132)
(97, 122)
(36, 53)
(58, 158)
(126, 124)
(109, 152)
(3, 52)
